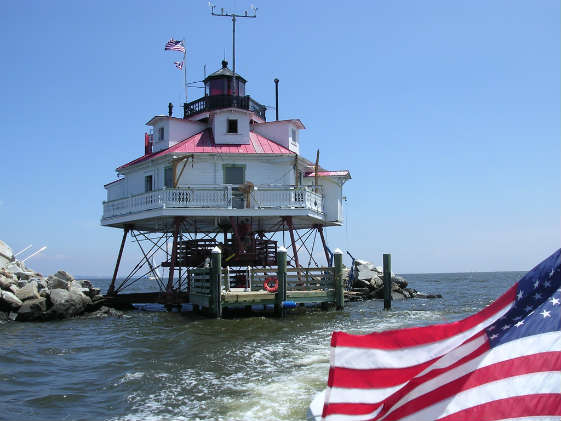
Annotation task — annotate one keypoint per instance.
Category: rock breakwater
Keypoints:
(26, 295)
(366, 281)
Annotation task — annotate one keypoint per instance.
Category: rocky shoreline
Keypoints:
(26, 295)
(367, 283)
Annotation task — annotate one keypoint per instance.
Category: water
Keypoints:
(156, 365)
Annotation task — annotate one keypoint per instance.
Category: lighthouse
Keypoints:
(222, 177)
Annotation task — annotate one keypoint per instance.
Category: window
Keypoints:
(168, 177)
(148, 183)
(234, 174)
(161, 134)
(232, 125)
(294, 135)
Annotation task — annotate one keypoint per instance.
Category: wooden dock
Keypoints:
(210, 289)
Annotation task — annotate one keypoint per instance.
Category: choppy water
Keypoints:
(158, 365)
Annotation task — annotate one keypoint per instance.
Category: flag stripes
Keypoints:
(508, 352)
(173, 45)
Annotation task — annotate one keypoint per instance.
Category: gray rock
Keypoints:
(12, 315)
(97, 298)
(10, 300)
(32, 309)
(44, 293)
(54, 282)
(400, 281)
(68, 303)
(361, 283)
(86, 284)
(41, 283)
(28, 292)
(65, 276)
(3, 317)
(397, 295)
(24, 276)
(5, 282)
(376, 282)
(13, 288)
(21, 283)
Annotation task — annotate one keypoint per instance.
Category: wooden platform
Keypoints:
(234, 297)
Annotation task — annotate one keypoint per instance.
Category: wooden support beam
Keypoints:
(387, 281)
(316, 170)
(339, 284)
(280, 295)
(111, 290)
(215, 284)
(175, 163)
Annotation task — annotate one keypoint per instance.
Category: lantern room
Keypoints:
(220, 82)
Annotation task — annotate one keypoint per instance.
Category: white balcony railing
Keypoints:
(217, 197)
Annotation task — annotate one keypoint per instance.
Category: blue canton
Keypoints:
(537, 304)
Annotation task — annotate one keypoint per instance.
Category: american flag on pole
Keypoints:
(178, 64)
(501, 363)
(174, 45)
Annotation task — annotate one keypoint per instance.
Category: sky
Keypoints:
(447, 115)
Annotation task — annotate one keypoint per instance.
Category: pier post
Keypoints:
(215, 284)
(339, 284)
(387, 281)
(280, 296)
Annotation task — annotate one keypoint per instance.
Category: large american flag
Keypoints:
(501, 363)
(174, 45)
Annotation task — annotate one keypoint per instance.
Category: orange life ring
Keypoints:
(275, 287)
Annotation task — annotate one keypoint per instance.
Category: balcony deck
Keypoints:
(215, 102)
(211, 201)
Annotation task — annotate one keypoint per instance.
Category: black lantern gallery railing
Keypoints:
(216, 102)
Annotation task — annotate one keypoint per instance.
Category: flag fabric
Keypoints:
(174, 45)
(501, 363)
(178, 64)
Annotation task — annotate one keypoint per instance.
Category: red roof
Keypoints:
(203, 142)
(342, 173)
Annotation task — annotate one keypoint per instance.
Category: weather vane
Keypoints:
(234, 16)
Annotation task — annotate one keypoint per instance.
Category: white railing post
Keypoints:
(229, 196)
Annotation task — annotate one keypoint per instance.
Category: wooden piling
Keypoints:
(387, 281)
(215, 284)
(280, 295)
(339, 284)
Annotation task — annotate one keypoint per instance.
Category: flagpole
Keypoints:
(185, 70)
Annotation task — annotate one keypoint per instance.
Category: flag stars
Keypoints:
(494, 336)
(520, 295)
(536, 284)
(492, 327)
(554, 301)
(547, 284)
(551, 273)
(506, 327)
(520, 323)
(517, 318)
(545, 314)
(527, 308)
(537, 296)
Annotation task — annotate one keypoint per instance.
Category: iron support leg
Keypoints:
(111, 290)
(169, 287)
(320, 230)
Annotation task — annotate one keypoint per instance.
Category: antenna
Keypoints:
(234, 16)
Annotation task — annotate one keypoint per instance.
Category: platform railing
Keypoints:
(217, 196)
